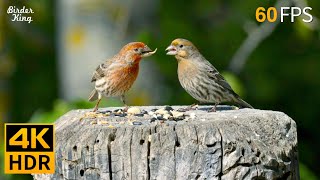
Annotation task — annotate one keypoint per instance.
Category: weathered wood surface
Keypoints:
(229, 144)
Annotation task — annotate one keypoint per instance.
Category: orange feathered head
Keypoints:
(136, 50)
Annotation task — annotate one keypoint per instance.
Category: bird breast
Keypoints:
(119, 80)
(187, 71)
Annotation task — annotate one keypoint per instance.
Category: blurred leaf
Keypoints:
(61, 107)
(144, 36)
(305, 173)
(234, 82)
(302, 30)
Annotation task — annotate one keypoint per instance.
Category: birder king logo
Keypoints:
(20, 14)
(29, 148)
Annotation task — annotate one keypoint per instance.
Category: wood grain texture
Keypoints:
(229, 144)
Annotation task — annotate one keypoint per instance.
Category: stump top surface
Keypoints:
(149, 115)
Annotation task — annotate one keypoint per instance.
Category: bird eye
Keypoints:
(181, 46)
(136, 49)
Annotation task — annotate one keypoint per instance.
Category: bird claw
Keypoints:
(125, 109)
(213, 109)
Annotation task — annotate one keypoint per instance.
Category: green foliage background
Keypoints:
(281, 74)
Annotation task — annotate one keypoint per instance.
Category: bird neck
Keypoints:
(132, 69)
(136, 59)
(179, 58)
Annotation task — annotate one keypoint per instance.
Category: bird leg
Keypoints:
(214, 108)
(126, 107)
(96, 106)
(123, 100)
(193, 106)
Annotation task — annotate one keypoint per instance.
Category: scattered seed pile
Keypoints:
(137, 116)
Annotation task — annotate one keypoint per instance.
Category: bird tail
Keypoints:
(242, 103)
(93, 95)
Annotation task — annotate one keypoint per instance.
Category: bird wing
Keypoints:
(101, 70)
(218, 78)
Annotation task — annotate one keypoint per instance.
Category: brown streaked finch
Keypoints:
(115, 76)
(200, 78)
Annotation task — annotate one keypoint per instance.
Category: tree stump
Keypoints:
(195, 144)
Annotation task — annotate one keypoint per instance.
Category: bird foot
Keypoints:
(213, 109)
(125, 109)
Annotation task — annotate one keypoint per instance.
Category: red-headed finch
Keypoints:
(115, 76)
(200, 78)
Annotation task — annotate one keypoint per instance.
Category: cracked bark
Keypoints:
(235, 144)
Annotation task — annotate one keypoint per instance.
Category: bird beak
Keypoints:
(146, 52)
(171, 50)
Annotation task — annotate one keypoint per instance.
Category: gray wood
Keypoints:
(228, 144)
